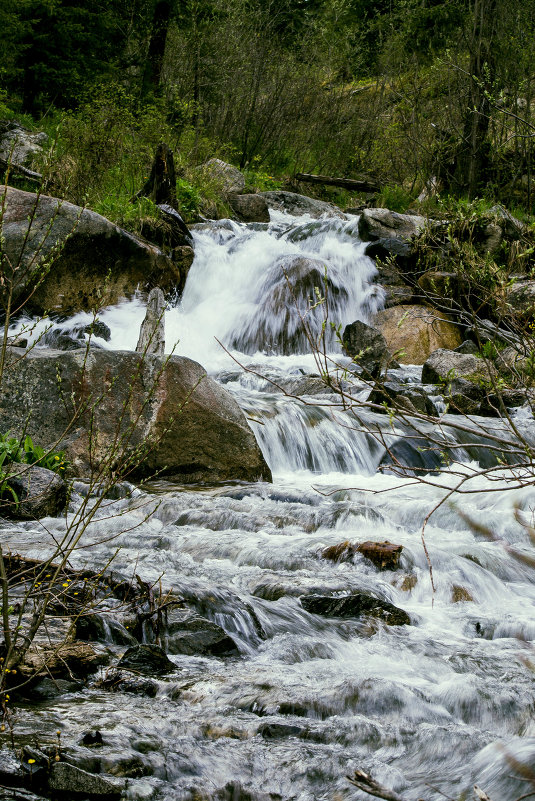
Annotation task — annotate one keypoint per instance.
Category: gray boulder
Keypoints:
(367, 347)
(250, 208)
(390, 232)
(292, 203)
(228, 178)
(39, 492)
(20, 145)
(167, 415)
(446, 365)
(94, 262)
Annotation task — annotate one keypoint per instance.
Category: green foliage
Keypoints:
(26, 452)
(189, 198)
(395, 198)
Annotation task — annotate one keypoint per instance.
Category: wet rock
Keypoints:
(188, 633)
(49, 688)
(98, 329)
(343, 552)
(278, 731)
(384, 555)
(189, 426)
(98, 265)
(403, 396)
(494, 405)
(250, 208)
(297, 205)
(99, 628)
(150, 660)
(408, 583)
(413, 332)
(464, 397)
(446, 365)
(460, 594)
(390, 231)
(92, 738)
(410, 455)
(355, 605)
(40, 493)
(397, 291)
(122, 682)
(73, 782)
(72, 659)
(367, 347)
(287, 287)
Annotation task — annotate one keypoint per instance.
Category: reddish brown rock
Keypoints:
(384, 555)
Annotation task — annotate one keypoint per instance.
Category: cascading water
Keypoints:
(443, 702)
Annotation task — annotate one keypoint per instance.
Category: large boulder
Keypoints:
(292, 203)
(413, 332)
(162, 415)
(389, 232)
(250, 208)
(446, 365)
(228, 178)
(94, 263)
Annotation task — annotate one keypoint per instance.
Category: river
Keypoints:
(442, 703)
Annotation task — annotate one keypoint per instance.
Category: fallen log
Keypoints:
(18, 169)
(344, 183)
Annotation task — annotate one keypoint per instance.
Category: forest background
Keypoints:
(407, 93)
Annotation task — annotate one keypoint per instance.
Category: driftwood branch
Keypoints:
(368, 785)
(344, 183)
(18, 169)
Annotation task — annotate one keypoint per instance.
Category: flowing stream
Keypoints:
(444, 702)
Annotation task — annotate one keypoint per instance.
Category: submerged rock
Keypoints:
(188, 633)
(355, 605)
(169, 415)
(98, 262)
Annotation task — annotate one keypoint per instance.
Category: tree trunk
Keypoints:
(473, 156)
(153, 65)
(161, 184)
